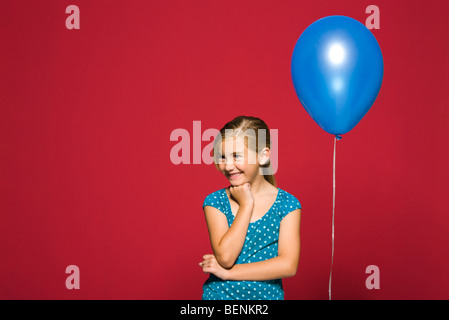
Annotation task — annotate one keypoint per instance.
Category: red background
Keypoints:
(86, 176)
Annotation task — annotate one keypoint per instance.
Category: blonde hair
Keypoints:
(239, 126)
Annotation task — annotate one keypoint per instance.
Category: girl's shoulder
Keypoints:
(215, 199)
(287, 195)
(288, 202)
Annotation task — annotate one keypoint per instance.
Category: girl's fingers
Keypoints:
(207, 263)
(206, 270)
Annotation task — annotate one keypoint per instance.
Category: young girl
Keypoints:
(253, 225)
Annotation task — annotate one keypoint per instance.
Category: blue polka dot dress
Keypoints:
(261, 243)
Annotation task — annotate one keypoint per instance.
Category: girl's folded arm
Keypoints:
(282, 266)
(227, 242)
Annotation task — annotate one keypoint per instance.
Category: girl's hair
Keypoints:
(238, 127)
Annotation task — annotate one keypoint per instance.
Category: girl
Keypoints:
(253, 225)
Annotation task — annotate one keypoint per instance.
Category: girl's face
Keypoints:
(238, 164)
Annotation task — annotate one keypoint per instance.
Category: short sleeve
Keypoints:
(213, 200)
(290, 204)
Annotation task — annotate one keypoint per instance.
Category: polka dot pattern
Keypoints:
(261, 243)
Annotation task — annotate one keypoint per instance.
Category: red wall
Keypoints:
(86, 176)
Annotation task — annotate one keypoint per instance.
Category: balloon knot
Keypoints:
(338, 136)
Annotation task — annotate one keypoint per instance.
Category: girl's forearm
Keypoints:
(275, 268)
(232, 242)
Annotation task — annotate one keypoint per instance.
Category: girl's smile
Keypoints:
(235, 176)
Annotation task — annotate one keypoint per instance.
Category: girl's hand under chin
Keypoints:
(242, 194)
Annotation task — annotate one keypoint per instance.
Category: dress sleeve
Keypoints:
(290, 204)
(212, 200)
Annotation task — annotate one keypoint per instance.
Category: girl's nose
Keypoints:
(229, 165)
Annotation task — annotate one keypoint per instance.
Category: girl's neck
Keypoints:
(260, 186)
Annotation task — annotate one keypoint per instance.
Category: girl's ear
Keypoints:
(264, 156)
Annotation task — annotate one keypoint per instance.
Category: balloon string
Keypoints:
(337, 137)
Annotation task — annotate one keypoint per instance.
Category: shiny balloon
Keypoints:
(337, 71)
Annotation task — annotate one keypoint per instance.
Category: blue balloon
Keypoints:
(337, 71)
